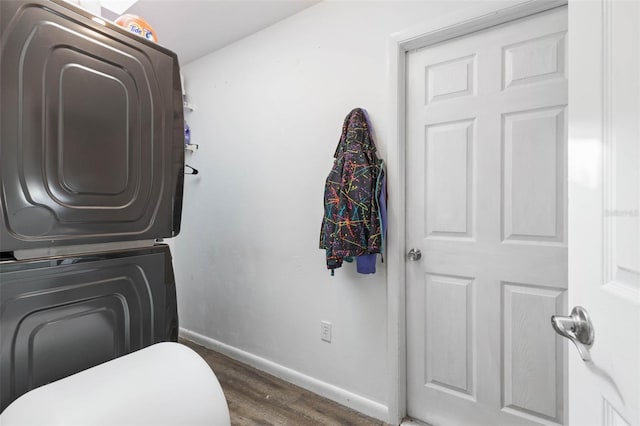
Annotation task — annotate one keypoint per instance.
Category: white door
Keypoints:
(604, 209)
(486, 206)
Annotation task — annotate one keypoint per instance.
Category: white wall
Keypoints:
(251, 279)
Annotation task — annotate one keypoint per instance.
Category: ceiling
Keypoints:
(193, 28)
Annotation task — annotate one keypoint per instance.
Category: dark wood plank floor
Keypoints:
(257, 398)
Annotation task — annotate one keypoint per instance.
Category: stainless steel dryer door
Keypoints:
(92, 146)
(61, 315)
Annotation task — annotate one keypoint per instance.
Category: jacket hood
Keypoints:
(355, 129)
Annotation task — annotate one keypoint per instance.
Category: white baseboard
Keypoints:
(334, 393)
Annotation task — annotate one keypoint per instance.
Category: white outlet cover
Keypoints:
(325, 331)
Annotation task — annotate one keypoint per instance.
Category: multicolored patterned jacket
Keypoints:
(352, 225)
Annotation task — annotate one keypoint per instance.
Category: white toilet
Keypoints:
(164, 384)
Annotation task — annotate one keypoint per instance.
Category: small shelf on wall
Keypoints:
(193, 147)
(188, 106)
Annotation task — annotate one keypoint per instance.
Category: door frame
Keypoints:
(460, 24)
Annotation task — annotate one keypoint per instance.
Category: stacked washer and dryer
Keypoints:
(92, 169)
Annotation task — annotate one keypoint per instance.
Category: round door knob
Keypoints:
(414, 254)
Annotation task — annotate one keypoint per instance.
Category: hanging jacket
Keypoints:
(351, 225)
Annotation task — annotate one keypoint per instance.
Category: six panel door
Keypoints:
(486, 205)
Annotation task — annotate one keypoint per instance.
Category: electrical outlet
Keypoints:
(325, 331)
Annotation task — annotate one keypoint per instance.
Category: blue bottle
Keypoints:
(187, 134)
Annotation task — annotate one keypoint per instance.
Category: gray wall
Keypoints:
(251, 279)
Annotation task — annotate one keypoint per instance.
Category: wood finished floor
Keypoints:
(257, 398)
